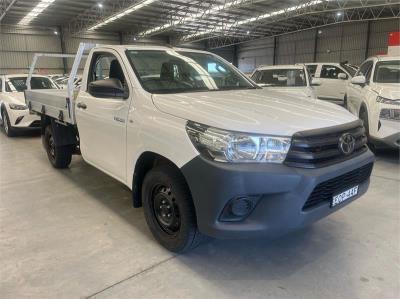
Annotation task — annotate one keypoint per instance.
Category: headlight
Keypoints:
(224, 146)
(18, 107)
(383, 100)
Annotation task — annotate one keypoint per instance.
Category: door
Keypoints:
(332, 87)
(102, 119)
(356, 92)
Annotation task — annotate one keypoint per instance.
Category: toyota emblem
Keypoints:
(347, 143)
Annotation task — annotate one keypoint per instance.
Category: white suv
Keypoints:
(13, 111)
(374, 96)
(331, 79)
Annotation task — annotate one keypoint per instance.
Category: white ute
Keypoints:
(330, 80)
(374, 96)
(13, 111)
(292, 79)
(204, 150)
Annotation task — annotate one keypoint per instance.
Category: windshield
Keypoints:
(387, 72)
(350, 69)
(19, 83)
(281, 77)
(172, 72)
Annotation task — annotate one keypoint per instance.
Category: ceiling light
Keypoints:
(55, 32)
(338, 13)
(193, 17)
(248, 32)
(254, 19)
(38, 9)
(123, 13)
(100, 5)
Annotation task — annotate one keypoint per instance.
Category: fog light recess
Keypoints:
(238, 208)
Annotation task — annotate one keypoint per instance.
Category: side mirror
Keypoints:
(108, 88)
(359, 80)
(342, 76)
(315, 82)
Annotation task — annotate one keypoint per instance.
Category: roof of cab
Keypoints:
(24, 75)
(149, 47)
(278, 67)
(387, 57)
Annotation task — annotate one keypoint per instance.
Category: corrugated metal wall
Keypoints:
(332, 44)
(17, 47)
(255, 53)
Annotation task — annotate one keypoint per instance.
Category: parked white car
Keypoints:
(330, 80)
(292, 79)
(204, 150)
(13, 111)
(374, 96)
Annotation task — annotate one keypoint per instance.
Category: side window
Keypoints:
(330, 72)
(8, 88)
(365, 70)
(256, 76)
(312, 68)
(105, 66)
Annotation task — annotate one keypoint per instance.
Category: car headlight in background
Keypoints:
(235, 147)
(383, 100)
(18, 107)
(390, 114)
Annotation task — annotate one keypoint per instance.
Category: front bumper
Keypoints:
(23, 119)
(283, 190)
(388, 134)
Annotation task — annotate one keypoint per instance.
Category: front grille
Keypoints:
(319, 148)
(326, 190)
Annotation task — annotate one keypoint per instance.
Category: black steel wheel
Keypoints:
(169, 209)
(165, 210)
(59, 156)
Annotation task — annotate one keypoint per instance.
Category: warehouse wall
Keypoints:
(18, 46)
(334, 43)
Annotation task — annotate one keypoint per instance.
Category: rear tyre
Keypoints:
(169, 209)
(8, 129)
(59, 156)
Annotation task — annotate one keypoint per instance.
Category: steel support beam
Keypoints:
(368, 39)
(5, 6)
(332, 12)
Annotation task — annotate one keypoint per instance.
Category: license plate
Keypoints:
(339, 198)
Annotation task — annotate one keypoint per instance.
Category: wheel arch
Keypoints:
(363, 106)
(146, 161)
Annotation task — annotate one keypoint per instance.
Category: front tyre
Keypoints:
(8, 129)
(364, 118)
(169, 209)
(59, 156)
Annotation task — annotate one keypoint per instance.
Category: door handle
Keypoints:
(81, 105)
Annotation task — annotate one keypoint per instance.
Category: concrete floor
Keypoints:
(73, 234)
